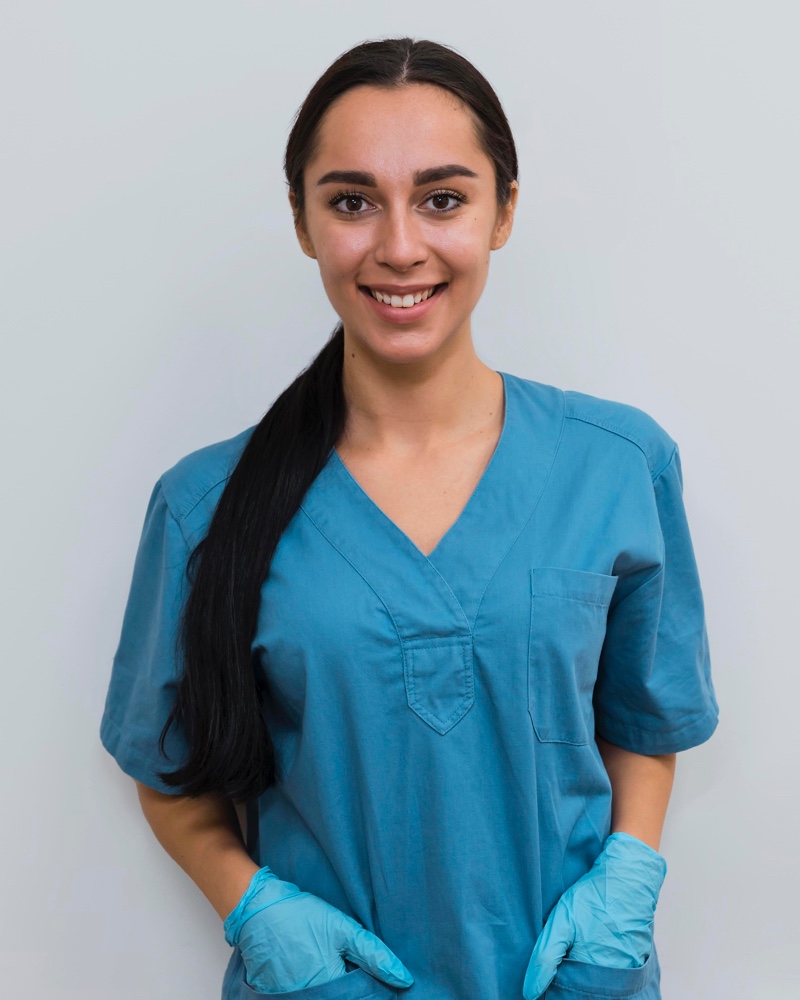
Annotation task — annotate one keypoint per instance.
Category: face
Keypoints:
(400, 200)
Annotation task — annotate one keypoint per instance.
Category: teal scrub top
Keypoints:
(434, 718)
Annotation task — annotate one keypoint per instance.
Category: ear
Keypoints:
(505, 218)
(300, 230)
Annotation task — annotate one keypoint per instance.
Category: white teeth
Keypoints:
(402, 301)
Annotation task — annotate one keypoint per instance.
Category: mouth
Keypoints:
(402, 303)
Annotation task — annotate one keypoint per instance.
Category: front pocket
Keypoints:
(440, 678)
(583, 981)
(567, 629)
(357, 984)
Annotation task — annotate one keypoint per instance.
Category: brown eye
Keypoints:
(439, 199)
(347, 203)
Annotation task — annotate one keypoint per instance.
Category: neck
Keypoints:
(412, 407)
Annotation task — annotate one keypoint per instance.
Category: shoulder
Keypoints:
(624, 421)
(609, 417)
(199, 477)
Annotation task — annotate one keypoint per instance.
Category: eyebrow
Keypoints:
(430, 176)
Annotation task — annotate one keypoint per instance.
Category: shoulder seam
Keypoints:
(180, 519)
(667, 464)
(626, 436)
(170, 511)
(222, 479)
(189, 481)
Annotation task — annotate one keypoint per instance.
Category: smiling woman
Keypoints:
(395, 248)
(437, 627)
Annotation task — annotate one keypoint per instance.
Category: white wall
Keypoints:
(155, 300)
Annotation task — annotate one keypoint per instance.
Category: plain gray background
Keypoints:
(155, 300)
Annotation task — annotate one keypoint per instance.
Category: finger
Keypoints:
(551, 946)
(368, 951)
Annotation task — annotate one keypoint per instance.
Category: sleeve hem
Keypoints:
(131, 761)
(646, 741)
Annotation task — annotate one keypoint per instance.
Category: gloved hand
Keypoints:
(291, 939)
(605, 918)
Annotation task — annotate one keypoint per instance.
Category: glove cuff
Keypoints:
(629, 848)
(238, 915)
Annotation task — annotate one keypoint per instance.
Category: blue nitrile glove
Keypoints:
(605, 918)
(291, 939)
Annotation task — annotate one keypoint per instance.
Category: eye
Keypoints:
(452, 195)
(348, 197)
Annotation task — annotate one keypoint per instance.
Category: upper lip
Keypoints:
(403, 289)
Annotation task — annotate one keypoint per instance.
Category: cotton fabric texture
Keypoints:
(435, 717)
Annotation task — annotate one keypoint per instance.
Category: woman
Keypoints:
(438, 627)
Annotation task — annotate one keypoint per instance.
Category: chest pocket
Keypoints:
(567, 627)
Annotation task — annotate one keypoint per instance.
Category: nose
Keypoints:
(399, 241)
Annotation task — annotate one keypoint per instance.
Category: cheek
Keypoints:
(464, 248)
(464, 242)
(342, 250)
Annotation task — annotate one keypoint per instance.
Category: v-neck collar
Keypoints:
(440, 593)
(393, 526)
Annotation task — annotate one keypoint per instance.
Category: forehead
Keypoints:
(395, 131)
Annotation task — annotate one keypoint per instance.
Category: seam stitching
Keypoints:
(575, 600)
(659, 732)
(625, 435)
(357, 570)
(667, 464)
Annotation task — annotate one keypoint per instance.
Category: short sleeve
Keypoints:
(145, 669)
(654, 692)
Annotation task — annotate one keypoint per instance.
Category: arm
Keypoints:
(641, 785)
(203, 836)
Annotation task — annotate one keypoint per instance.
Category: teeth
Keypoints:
(402, 301)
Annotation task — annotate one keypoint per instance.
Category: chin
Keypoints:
(405, 354)
(398, 346)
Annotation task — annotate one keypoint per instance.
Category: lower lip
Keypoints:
(396, 314)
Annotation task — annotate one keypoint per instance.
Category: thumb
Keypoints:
(368, 951)
(551, 946)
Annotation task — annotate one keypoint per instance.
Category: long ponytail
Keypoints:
(217, 701)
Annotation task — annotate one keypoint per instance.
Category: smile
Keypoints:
(403, 301)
